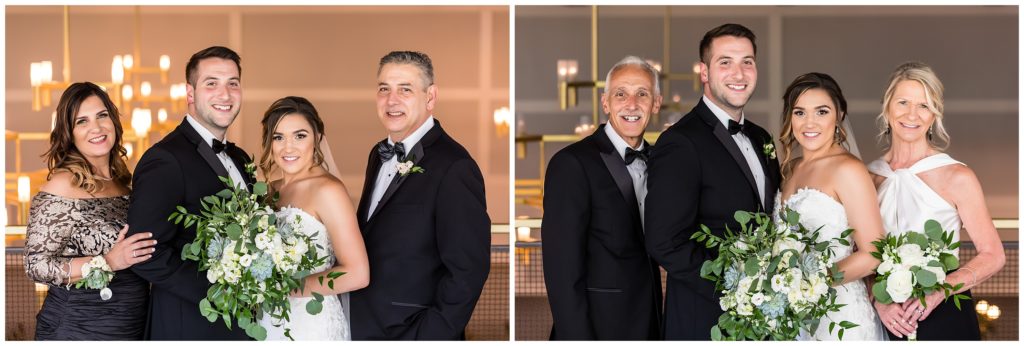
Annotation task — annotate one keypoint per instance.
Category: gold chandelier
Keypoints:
(130, 92)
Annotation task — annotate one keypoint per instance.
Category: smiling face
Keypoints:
(216, 98)
(292, 144)
(814, 120)
(404, 101)
(730, 75)
(629, 102)
(908, 113)
(93, 130)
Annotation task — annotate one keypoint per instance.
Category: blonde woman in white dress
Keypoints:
(916, 182)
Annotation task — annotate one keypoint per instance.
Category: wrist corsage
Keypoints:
(96, 274)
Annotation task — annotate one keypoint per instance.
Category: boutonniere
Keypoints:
(769, 149)
(407, 166)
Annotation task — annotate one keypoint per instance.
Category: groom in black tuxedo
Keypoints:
(181, 169)
(708, 165)
(423, 215)
(601, 283)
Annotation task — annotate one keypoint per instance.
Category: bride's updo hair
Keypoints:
(277, 111)
(800, 85)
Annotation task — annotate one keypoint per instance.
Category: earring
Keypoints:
(888, 129)
(931, 130)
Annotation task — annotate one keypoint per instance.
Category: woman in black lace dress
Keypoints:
(79, 217)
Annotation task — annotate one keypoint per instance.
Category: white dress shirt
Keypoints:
(233, 172)
(637, 169)
(389, 168)
(746, 147)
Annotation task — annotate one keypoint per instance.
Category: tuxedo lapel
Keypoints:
(238, 157)
(757, 141)
(373, 165)
(617, 167)
(725, 138)
(204, 150)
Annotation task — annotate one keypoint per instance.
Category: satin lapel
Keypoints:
(238, 157)
(203, 149)
(725, 138)
(372, 168)
(617, 167)
(758, 142)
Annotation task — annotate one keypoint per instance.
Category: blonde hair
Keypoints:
(922, 73)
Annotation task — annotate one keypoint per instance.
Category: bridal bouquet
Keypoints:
(774, 278)
(252, 259)
(915, 265)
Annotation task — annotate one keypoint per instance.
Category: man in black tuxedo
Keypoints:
(601, 283)
(423, 215)
(708, 165)
(181, 169)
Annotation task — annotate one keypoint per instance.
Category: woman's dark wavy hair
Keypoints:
(64, 156)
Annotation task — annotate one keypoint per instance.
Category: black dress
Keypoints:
(946, 322)
(60, 229)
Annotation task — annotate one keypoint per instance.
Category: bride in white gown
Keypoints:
(292, 131)
(832, 190)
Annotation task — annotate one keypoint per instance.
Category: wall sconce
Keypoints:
(502, 119)
(567, 71)
(142, 120)
(523, 234)
(161, 116)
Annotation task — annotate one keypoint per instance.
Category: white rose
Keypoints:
(404, 167)
(301, 247)
(787, 244)
(744, 285)
(264, 222)
(745, 309)
(86, 268)
(885, 267)
(726, 302)
(911, 254)
(263, 241)
(213, 274)
(794, 296)
(900, 285)
(757, 299)
(779, 284)
(245, 260)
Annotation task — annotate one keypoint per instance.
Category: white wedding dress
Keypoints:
(331, 323)
(818, 209)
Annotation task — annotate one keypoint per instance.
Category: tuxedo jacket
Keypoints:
(601, 283)
(428, 242)
(698, 176)
(181, 169)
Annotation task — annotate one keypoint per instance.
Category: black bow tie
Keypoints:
(219, 146)
(735, 127)
(387, 151)
(632, 155)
